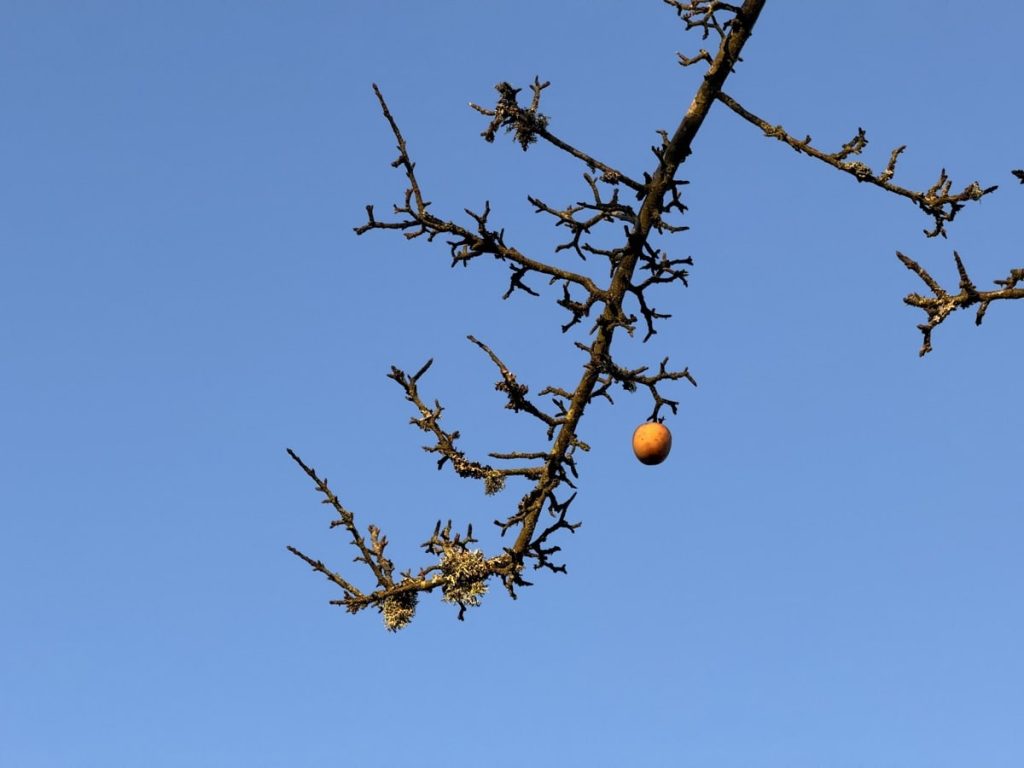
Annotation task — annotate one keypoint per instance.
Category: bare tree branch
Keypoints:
(936, 201)
(529, 124)
(460, 572)
(635, 266)
(943, 303)
(415, 220)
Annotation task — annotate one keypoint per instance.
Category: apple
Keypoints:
(651, 442)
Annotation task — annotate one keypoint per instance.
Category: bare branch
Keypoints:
(460, 572)
(943, 303)
(372, 555)
(529, 124)
(415, 219)
(429, 422)
(701, 14)
(936, 201)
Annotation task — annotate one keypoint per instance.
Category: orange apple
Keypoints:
(652, 442)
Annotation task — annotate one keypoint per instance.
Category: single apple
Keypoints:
(652, 442)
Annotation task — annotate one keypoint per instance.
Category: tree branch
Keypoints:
(943, 303)
(462, 573)
(936, 201)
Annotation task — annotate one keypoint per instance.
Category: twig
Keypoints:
(943, 303)
(936, 201)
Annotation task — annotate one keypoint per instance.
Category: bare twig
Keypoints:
(943, 303)
(528, 124)
(936, 201)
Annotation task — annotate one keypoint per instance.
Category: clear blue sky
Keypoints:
(826, 572)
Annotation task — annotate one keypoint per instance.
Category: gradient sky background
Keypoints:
(826, 572)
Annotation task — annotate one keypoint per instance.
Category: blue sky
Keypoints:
(826, 571)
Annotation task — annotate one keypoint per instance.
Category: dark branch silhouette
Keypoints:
(943, 303)
(936, 201)
(636, 267)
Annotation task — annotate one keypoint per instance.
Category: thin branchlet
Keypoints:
(461, 571)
